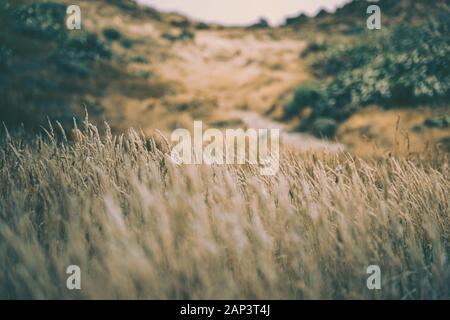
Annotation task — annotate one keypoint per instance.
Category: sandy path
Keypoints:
(242, 74)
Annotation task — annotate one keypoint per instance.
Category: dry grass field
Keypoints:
(140, 226)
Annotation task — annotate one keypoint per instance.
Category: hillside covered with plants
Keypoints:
(350, 19)
(43, 66)
(404, 66)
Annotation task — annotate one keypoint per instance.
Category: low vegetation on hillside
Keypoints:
(42, 63)
(405, 66)
(350, 19)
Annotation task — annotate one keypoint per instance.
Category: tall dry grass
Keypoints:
(140, 226)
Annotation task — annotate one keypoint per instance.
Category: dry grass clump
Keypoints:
(140, 226)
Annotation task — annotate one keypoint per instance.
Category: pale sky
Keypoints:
(242, 12)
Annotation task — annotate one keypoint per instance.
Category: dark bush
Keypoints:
(295, 21)
(324, 127)
(184, 35)
(86, 46)
(314, 47)
(202, 26)
(438, 122)
(127, 43)
(344, 57)
(143, 74)
(306, 96)
(261, 24)
(5, 57)
(76, 54)
(138, 59)
(111, 34)
(42, 20)
(181, 23)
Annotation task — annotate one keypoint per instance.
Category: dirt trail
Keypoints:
(237, 69)
(230, 76)
(243, 74)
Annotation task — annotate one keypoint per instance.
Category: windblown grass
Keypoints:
(140, 226)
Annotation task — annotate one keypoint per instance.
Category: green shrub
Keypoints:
(86, 46)
(314, 47)
(261, 24)
(438, 122)
(40, 20)
(39, 59)
(181, 23)
(5, 57)
(324, 127)
(76, 53)
(138, 59)
(306, 96)
(344, 57)
(202, 26)
(143, 74)
(111, 34)
(184, 35)
(127, 43)
(296, 21)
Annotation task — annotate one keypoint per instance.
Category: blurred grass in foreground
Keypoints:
(141, 227)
